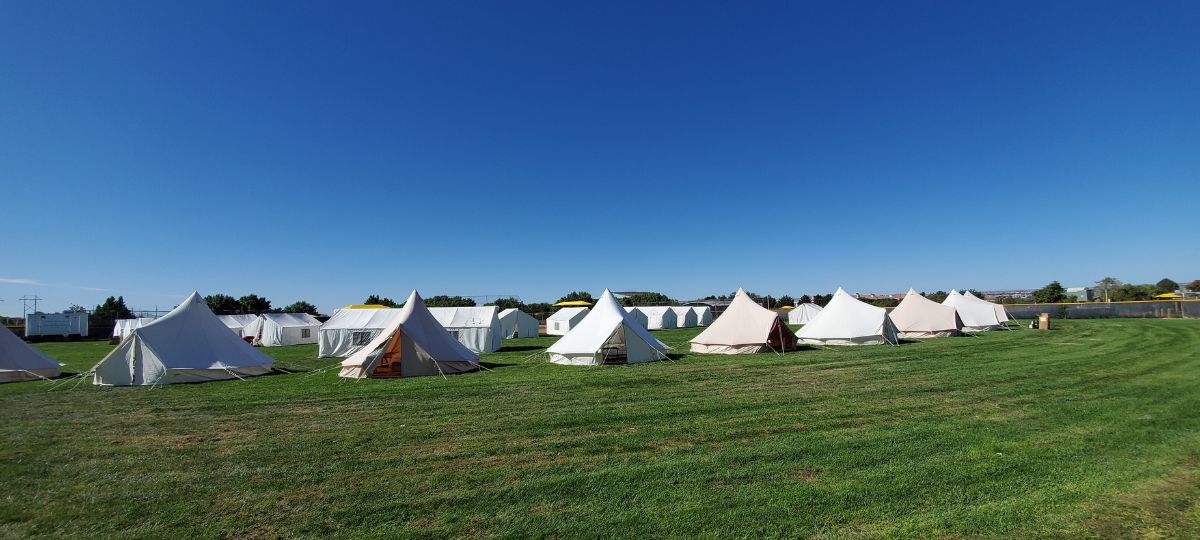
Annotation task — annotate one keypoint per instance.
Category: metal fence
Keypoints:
(1153, 309)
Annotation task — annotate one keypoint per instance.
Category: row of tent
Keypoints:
(650, 317)
(191, 344)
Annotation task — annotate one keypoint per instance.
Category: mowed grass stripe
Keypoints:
(1016, 433)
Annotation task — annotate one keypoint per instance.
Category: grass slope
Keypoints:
(1088, 430)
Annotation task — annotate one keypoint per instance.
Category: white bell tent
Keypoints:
(845, 320)
(276, 329)
(350, 329)
(745, 327)
(704, 315)
(685, 317)
(803, 313)
(976, 315)
(563, 320)
(607, 335)
(518, 324)
(238, 323)
(19, 361)
(659, 317)
(1001, 313)
(189, 344)
(919, 317)
(414, 344)
(478, 328)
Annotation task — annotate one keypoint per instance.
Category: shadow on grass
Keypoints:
(520, 348)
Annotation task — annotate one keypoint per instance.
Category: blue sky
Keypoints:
(329, 151)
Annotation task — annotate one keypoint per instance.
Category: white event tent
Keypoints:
(607, 335)
(21, 362)
(563, 320)
(704, 315)
(1001, 313)
(518, 324)
(189, 344)
(123, 327)
(478, 328)
(413, 344)
(685, 316)
(659, 317)
(350, 329)
(238, 323)
(745, 327)
(276, 329)
(846, 320)
(920, 317)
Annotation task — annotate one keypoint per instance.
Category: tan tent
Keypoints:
(745, 327)
(846, 320)
(920, 317)
(413, 344)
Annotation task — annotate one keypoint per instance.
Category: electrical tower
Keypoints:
(26, 300)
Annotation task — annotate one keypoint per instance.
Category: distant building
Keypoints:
(1082, 294)
(65, 325)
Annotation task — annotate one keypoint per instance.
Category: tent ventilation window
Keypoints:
(360, 339)
(306, 332)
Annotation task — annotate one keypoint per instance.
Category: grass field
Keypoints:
(1092, 429)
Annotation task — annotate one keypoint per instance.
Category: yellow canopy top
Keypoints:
(787, 308)
(573, 303)
(1169, 295)
(365, 306)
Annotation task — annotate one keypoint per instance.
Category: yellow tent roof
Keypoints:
(365, 306)
(573, 303)
(787, 308)
(1168, 295)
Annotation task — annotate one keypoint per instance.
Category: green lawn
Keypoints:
(1092, 429)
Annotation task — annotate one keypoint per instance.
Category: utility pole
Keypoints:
(25, 301)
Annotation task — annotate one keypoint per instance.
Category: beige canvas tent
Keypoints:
(919, 317)
(608, 335)
(846, 320)
(413, 344)
(745, 327)
(1001, 313)
(977, 315)
(21, 362)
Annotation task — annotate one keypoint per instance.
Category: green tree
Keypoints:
(786, 300)
(805, 299)
(76, 308)
(300, 306)
(577, 295)
(442, 300)
(113, 308)
(377, 300)
(1166, 285)
(937, 296)
(646, 299)
(253, 303)
(1050, 294)
(884, 302)
(508, 303)
(822, 299)
(1194, 286)
(1107, 285)
(1127, 292)
(223, 304)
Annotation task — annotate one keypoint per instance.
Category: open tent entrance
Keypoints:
(781, 338)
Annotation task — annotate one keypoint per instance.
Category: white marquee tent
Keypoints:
(745, 327)
(703, 315)
(238, 323)
(659, 317)
(976, 315)
(563, 320)
(803, 313)
(123, 327)
(518, 324)
(478, 328)
(275, 329)
(189, 344)
(845, 320)
(413, 344)
(350, 329)
(608, 335)
(637, 316)
(21, 362)
(920, 317)
(685, 317)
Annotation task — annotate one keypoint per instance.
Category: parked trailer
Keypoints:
(65, 325)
